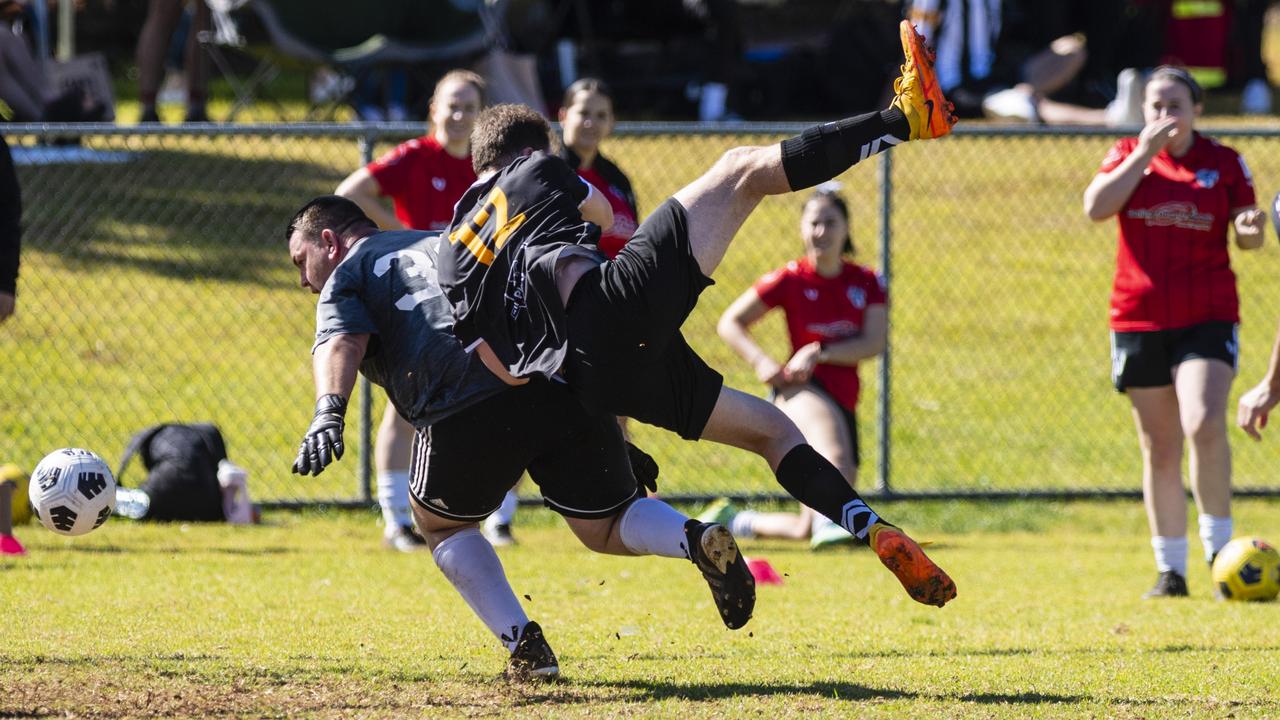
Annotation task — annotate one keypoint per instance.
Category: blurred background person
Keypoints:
(424, 178)
(164, 17)
(14, 508)
(836, 313)
(586, 119)
(1175, 310)
(1256, 404)
(26, 92)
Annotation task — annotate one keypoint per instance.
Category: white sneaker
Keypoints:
(405, 539)
(1126, 109)
(1256, 98)
(497, 533)
(1011, 104)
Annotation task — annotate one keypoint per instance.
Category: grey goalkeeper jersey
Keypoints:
(387, 287)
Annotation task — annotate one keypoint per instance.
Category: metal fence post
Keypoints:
(366, 388)
(886, 242)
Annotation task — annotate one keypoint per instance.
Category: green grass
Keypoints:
(307, 616)
(159, 290)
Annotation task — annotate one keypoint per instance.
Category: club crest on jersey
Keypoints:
(1206, 178)
(857, 297)
(438, 184)
(811, 294)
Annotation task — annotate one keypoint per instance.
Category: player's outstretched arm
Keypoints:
(1256, 404)
(335, 365)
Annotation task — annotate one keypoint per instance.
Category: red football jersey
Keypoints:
(423, 181)
(1172, 265)
(824, 310)
(624, 217)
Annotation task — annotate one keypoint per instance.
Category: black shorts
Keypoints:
(627, 355)
(1146, 359)
(464, 464)
(850, 418)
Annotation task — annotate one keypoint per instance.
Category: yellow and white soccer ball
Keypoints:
(1247, 569)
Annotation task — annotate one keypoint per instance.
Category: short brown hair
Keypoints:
(502, 132)
(327, 211)
(463, 76)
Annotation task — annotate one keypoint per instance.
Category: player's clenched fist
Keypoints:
(323, 442)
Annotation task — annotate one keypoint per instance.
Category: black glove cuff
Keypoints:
(331, 403)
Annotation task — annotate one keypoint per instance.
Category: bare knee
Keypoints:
(1205, 430)
(749, 168)
(436, 529)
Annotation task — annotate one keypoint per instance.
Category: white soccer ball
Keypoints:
(72, 491)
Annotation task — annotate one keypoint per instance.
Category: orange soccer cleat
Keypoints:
(917, 93)
(925, 581)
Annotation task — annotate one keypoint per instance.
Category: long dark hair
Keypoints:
(833, 196)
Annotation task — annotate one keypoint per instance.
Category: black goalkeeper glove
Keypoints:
(323, 442)
(643, 467)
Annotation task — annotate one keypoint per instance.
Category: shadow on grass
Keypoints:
(199, 209)
(169, 550)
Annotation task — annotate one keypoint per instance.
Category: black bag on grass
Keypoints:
(182, 471)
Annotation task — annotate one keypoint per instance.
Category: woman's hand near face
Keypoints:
(1157, 135)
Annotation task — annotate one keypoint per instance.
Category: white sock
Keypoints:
(393, 496)
(742, 524)
(652, 527)
(473, 568)
(1171, 554)
(1215, 531)
(506, 512)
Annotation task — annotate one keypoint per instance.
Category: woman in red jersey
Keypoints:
(424, 178)
(836, 316)
(1174, 309)
(586, 118)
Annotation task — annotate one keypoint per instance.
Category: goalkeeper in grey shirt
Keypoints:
(381, 311)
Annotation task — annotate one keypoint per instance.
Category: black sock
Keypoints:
(814, 481)
(824, 151)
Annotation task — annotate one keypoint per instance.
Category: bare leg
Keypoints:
(153, 41)
(394, 443)
(196, 62)
(1049, 70)
(825, 428)
(1155, 411)
(1202, 387)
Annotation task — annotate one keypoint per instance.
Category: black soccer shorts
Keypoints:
(627, 355)
(1146, 359)
(464, 464)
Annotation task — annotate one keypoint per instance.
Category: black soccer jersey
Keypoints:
(498, 267)
(387, 287)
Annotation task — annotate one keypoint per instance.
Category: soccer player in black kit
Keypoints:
(532, 296)
(381, 311)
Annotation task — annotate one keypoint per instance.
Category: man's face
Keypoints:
(315, 260)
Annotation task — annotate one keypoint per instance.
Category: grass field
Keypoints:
(307, 617)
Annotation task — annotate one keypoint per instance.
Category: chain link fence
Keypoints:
(156, 287)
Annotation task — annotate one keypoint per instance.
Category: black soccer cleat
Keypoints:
(1168, 584)
(713, 550)
(533, 658)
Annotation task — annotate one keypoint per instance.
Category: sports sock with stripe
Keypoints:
(473, 568)
(824, 151)
(814, 481)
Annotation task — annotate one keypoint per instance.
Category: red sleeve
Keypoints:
(876, 292)
(1116, 155)
(1239, 181)
(769, 287)
(393, 170)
